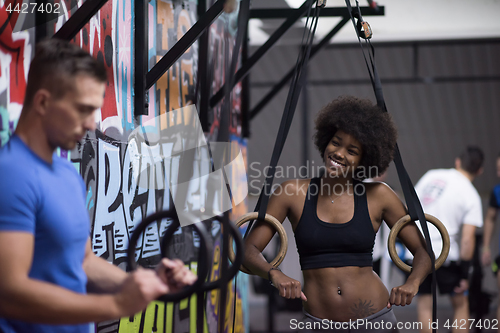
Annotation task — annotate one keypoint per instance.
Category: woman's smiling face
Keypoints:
(342, 154)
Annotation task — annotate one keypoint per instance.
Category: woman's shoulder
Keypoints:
(376, 189)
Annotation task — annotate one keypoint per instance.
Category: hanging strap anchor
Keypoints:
(364, 29)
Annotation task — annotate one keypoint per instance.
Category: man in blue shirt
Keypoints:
(489, 225)
(46, 262)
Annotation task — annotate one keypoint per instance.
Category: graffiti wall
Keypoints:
(115, 166)
(15, 56)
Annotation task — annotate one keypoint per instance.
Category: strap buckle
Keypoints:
(321, 3)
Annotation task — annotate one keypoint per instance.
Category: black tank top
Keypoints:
(321, 244)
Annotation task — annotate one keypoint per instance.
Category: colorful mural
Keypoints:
(219, 59)
(15, 56)
(111, 160)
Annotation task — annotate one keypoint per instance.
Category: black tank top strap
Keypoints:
(361, 203)
(311, 201)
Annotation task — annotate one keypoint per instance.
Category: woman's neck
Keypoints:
(336, 185)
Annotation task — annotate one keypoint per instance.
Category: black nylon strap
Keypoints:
(287, 117)
(290, 106)
(413, 203)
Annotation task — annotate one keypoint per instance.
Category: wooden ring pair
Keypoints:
(274, 223)
(391, 242)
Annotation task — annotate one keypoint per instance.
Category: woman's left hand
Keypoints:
(402, 295)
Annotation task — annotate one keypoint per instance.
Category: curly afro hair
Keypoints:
(370, 125)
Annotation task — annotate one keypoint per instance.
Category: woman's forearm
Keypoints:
(254, 260)
(421, 266)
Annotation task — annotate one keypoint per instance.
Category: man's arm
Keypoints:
(489, 225)
(467, 244)
(102, 276)
(27, 299)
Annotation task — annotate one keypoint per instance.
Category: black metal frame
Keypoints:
(79, 18)
(277, 87)
(247, 65)
(41, 29)
(294, 15)
(202, 84)
(245, 91)
(140, 57)
(275, 13)
(145, 82)
(184, 43)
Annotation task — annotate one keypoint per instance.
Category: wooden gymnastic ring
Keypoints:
(391, 242)
(281, 232)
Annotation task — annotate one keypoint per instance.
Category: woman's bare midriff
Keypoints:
(362, 293)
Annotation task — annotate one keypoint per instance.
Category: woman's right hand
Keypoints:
(287, 287)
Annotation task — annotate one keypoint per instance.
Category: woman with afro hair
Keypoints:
(335, 218)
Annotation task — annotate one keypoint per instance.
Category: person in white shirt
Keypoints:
(449, 195)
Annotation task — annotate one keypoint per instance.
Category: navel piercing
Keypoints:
(338, 291)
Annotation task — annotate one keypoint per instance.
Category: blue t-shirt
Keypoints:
(48, 201)
(495, 197)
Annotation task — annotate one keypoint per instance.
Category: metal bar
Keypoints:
(410, 80)
(202, 95)
(200, 311)
(276, 13)
(421, 43)
(79, 18)
(288, 76)
(224, 281)
(203, 73)
(183, 44)
(141, 56)
(41, 28)
(247, 66)
(245, 92)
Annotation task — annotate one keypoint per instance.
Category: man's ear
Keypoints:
(458, 163)
(41, 101)
(480, 171)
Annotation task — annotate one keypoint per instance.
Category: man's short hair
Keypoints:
(55, 64)
(472, 159)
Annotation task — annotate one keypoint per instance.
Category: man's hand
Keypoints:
(462, 287)
(174, 274)
(486, 257)
(137, 291)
